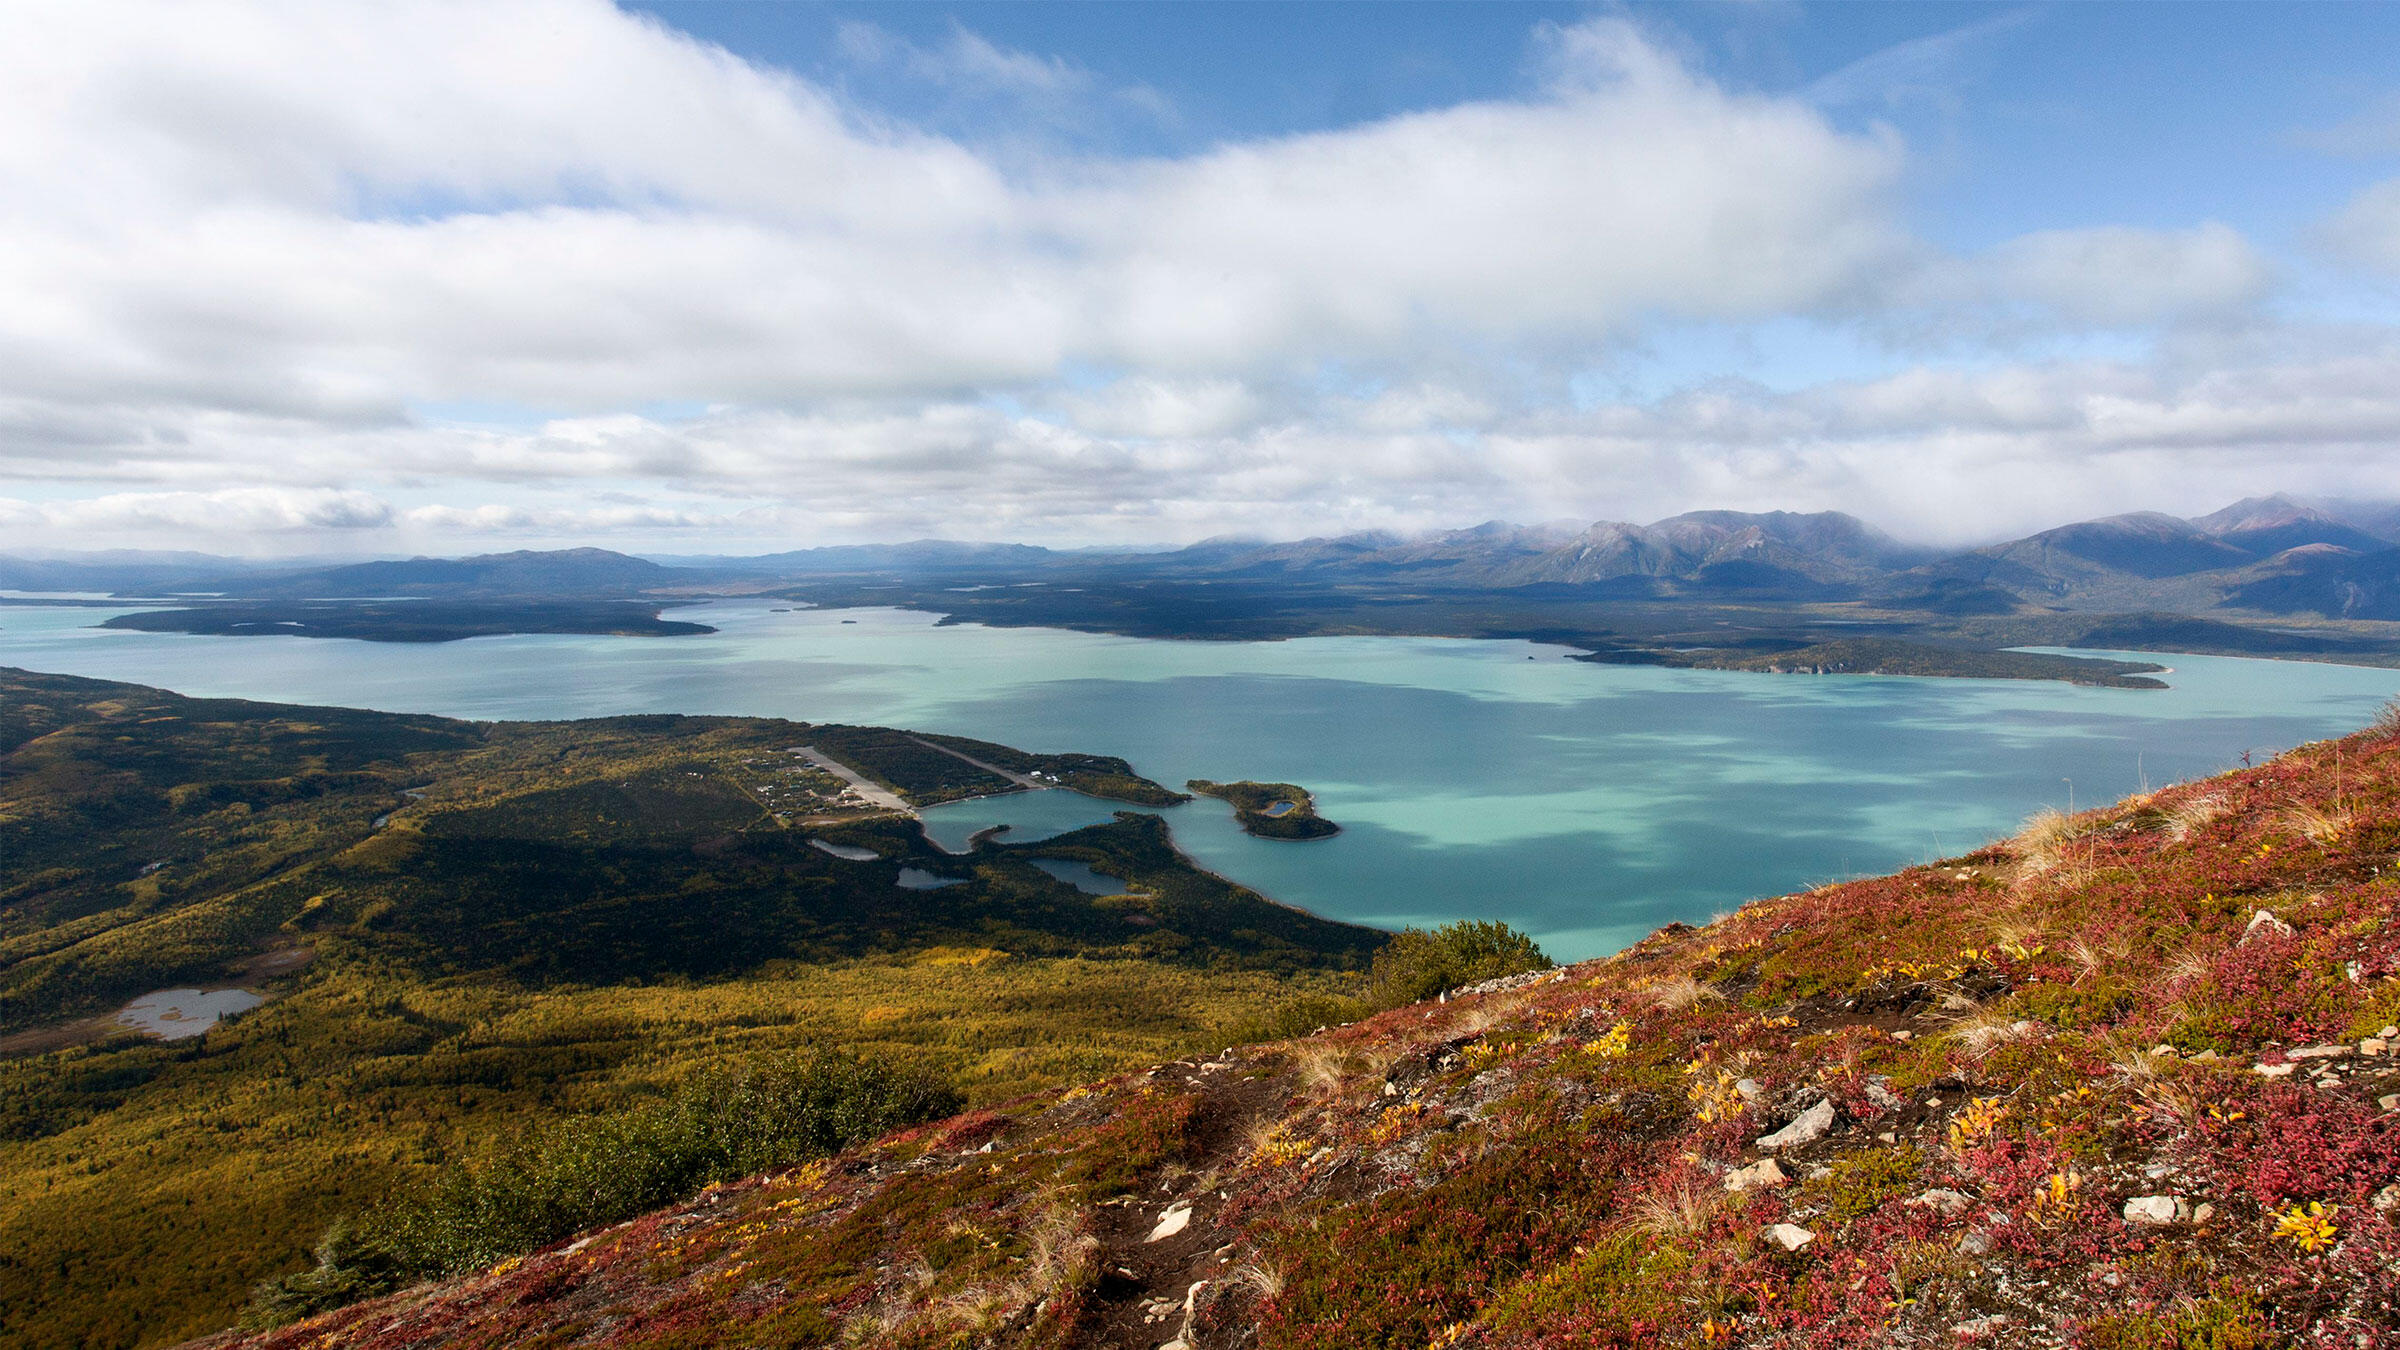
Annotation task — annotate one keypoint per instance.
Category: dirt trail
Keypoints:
(875, 793)
(1021, 780)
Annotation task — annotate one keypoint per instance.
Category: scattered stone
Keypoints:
(1903, 1035)
(2390, 1103)
(2390, 1033)
(2206, 1057)
(1980, 1327)
(1752, 1091)
(2274, 1070)
(2157, 1211)
(1977, 1242)
(1882, 1095)
(1808, 1127)
(2373, 1046)
(1790, 1236)
(1766, 1172)
(2265, 926)
(2025, 1026)
(2387, 1199)
(2204, 1212)
(1949, 1204)
(2319, 1052)
(1175, 1220)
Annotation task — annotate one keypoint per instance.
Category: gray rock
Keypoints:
(1766, 1173)
(1950, 1204)
(1790, 1236)
(2157, 1211)
(2264, 927)
(1173, 1221)
(1810, 1126)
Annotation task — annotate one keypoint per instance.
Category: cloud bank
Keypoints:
(398, 275)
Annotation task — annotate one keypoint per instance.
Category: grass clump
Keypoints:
(601, 1169)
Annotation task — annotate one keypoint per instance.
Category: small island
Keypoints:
(1270, 810)
(1887, 656)
(411, 620)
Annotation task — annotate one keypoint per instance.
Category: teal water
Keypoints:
(1081, 876)
(1587, 804)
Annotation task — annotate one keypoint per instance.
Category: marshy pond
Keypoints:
(180, 1014)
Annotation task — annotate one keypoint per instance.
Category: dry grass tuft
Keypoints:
(2187, 964)
(1983, 1032)
(1062, 1257)
(2130, 1060)
(1958, 1001)
(2041, 845)
(2193, 813)
(2387, 720)
(2319, 826)
(1259, 1277)
(2092, 956)
(1674, 993)
(1679, 1211)
(1319, 1068)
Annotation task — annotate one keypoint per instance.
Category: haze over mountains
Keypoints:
(2271, 555)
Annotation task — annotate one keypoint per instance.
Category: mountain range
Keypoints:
(2268, 556)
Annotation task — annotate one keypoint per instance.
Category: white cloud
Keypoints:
(2366, 232)
(229, 512)
(2119, 275)
(242, 244)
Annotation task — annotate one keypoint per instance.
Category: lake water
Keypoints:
(1082, 876)
(1587, 804)
(179, 1014)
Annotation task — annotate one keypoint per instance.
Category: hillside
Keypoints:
(465, 930)
(2125, 1080)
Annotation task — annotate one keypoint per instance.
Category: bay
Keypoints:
(1586, 804)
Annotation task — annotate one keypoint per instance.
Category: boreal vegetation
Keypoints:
(600, 1169)
(469, 933)
(1255, 806)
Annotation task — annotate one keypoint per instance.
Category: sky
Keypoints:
(452, 276)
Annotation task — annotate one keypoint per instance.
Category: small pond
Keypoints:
(846, 852)
(179, 1014)
(918, 879)
(1280, 808)
(1081, 876)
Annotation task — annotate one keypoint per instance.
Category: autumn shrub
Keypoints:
(600, 1169)
(1417, 964)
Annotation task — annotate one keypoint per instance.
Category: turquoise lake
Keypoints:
(1586, 804)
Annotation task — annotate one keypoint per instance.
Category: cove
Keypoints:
(1586, 804)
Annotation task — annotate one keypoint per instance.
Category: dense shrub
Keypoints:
(1417, 965)
(600, 1169)
(1414, 966)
